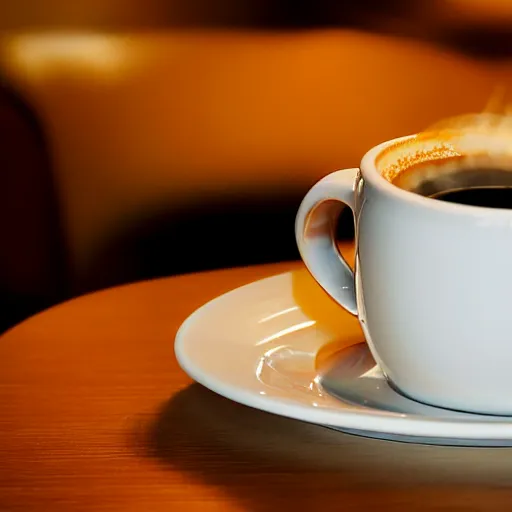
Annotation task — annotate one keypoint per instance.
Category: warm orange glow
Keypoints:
(88, 52)
(137, 120)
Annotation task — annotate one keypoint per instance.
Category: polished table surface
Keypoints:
(95, 414)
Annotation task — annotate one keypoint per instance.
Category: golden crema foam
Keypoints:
(470, 151)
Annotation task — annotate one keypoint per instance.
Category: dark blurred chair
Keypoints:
(33, 267)
(34, 254)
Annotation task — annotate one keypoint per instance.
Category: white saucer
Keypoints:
(260, 345)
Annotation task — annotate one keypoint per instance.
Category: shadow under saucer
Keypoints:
(267, 462)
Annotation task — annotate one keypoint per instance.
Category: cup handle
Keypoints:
(315, 226)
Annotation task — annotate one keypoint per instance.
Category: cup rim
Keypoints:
(371, 174)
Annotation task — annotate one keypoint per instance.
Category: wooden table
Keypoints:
(96, 415)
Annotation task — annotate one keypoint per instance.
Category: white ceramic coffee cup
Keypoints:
(432, 285)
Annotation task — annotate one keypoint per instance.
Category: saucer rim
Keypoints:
(348, 416)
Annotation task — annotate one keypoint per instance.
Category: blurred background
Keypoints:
(150, 138)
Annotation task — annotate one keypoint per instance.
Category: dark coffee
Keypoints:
(499, 197)
(460, 181)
